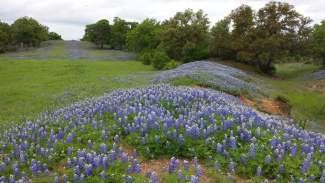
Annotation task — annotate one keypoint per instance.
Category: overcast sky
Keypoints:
(69, 17)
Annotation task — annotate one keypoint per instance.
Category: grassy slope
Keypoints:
(306, 104)
(28, 87)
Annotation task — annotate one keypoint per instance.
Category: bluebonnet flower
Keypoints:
(258, 171)
(82, 178)
(102, 148)
(216, 165)
(179, 175)
(194, 179)
(242, 159)
(102, 175)
(267, 159)
(232, 142)
(65, 178)
(75, 178)
(153, 178)
(231, 167)
(186, 166)
(88, 170)
(90, 144)
(56, 179)
(252, 151)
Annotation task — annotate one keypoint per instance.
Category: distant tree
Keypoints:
(144, 36)
(301, 42)
(54, 36)
(119, 30)
(276, 27)
(28, 32)
(242, 19)
(318, 40)
(220, 43)
(185, 36)
(98, 33)
(5, 36)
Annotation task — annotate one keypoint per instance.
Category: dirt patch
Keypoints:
(160, 166)
(316, 86)
(277, 106)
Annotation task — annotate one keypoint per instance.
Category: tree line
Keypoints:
(24, 32)
(261, 38)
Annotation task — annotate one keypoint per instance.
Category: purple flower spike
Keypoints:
(259, 171)
(56, 179)
(153, 178)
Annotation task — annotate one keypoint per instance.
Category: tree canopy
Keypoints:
(261, 38)
(185, 36)
(98, 33)
(119, 30)
(144, 36)
(28, 32)
(5, 36)
(318, 38)
(54, 36)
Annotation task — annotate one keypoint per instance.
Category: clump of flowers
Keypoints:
(83, 139)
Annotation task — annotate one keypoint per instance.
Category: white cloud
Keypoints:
(68, 17)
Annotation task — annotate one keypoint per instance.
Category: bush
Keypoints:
(146, 57)
(192, 52)
(159, 59)
(171, 64)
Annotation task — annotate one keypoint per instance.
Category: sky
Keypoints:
(69, 17)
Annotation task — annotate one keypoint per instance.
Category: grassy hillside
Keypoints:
(30, 86)
(307, 102)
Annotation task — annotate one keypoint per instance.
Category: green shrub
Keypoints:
(146, 57)
(192, 52)
(159, 59)
(171, 64)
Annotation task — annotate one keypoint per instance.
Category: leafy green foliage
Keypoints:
(5, 36)
(277, 30)
(220, 43)
(119, 32)
(54, 36)
(146, 57)
(319, 40)
(27, 31)
(185, 36)
(159, 59)
(171, 64)
(144, 36)
(98, 33)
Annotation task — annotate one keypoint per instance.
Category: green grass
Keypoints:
(293, 70)
(29, 87)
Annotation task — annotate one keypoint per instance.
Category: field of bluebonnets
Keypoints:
(213, 75)
(192, 133)
(83, 142)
